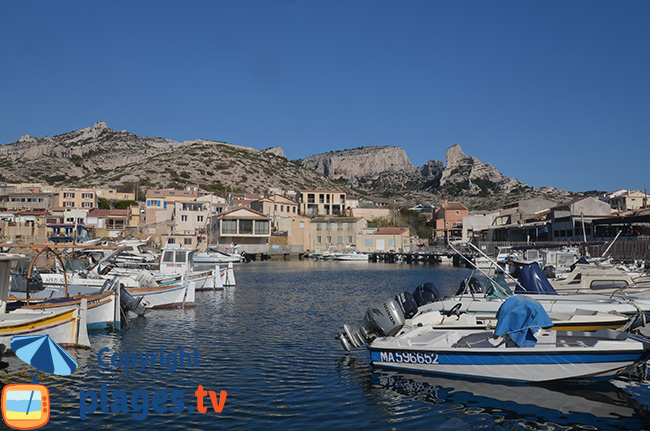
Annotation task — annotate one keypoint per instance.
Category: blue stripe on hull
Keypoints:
(493, 358)
(99, 325)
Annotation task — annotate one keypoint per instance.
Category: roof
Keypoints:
(321, 191)
(454, 206)
(336, 219)
(109, 213)
(391, 231)
(231, 214)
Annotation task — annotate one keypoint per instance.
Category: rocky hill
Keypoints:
(101, 157)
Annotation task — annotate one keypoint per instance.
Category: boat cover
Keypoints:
(497, 288)
(533, 281)
(520, 317)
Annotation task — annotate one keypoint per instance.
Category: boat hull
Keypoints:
(173, 296)
(539, 363)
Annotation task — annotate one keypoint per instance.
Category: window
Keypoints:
(168, 256)
(262, 227)
(319, 240)
(340, 226)
(329, 239)
(350, 240)
(318, 226)
(457, 212)
(302, 224)
(321, 199)
(183, 218)
(68, 204)
(350, 226)
(68, 195)
(87, 204)
(368, 243)
(391, 243)
(180, 256)
(86, 196)
(339, 240)
(245, 226)
(329, 226)
(188, 241)
(229, 227)
(199, 218)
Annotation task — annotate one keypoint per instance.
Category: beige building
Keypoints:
(339, 232)
(276, 207)
(67, 198)
(313, 203)
(628, 200)
(241, 226)
(111, 223)
(160, 204)
(191, 222)
(385, 239)
(296, 229)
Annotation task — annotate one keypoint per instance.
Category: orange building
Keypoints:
(449, 220)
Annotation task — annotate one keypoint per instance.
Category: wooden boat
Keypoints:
(512, 352)
(178, 295)
(103, 309)
(67, 326)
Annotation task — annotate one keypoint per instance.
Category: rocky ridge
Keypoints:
(101, 157)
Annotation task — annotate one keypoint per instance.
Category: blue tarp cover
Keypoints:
(518, 312)
(533, 280)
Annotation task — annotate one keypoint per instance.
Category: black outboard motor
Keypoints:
(127, 301)
(426, 293)
(470, 285)
(549, 271)
(384, 319)
(407, 303)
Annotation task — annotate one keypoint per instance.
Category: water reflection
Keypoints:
(478, 404)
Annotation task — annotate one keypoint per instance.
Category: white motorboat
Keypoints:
(520, 348)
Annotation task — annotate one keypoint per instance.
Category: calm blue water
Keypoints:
(269, 343)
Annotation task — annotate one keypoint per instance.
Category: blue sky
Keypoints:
(552, 93)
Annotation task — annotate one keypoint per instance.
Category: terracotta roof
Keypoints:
(455, 206)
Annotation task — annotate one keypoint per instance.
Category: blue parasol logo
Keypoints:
(27, 406)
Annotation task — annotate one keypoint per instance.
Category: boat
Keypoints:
(66, 326)
(213, 256)
(520, 349)
(133, 254)
(177, 295)
(585, 278)
(350, 256)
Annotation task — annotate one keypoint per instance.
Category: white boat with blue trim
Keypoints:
(520, 349)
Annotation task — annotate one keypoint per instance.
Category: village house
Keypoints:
(276, 207)
(109, 223)
(66, 198)
(385, 239)
(244, 227)
(339, 232)
(449, 220)
(160, 204)
(523, 220)
(191, 221)
(627, 200)
(313, 203)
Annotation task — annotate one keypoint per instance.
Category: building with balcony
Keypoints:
(314, 203)
(241, 226)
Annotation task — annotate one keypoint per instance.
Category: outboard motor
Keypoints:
(407, 303)
(426, 293)
(127, 301)
(384, 319)
(470, 285)
(131, 303)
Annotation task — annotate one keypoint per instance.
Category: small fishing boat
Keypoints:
(519, 349)
(67, 326)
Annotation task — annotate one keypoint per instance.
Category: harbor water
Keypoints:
(266, 356)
